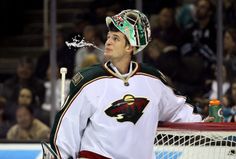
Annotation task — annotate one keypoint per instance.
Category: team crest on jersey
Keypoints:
(127, 109)
(77, 78)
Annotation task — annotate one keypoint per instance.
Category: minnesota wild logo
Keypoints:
(129, 108)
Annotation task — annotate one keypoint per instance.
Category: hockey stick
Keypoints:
(63, 72)
(48, 153)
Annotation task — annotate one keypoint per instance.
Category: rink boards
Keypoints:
(34, 151)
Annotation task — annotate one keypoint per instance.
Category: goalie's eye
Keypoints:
(115, 38)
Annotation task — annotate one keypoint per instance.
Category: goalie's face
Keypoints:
(117, 46)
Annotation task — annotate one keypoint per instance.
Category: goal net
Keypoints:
(196, 141)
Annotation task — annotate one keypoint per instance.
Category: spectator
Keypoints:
(167, 29)
(26, 98)
(230, 51)
(198, 51)
(24, 77)
(200, 37)
(229, 110)
(229, 12)
(4, 123)
(27, 127)
(225, 84)
(185, 15)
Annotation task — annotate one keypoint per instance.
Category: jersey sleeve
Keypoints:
(174, 108)
(72, 121)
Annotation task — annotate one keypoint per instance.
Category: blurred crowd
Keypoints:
(183, 47)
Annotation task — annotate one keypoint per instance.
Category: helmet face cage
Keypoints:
(134, 25)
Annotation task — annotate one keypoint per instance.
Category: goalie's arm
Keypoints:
(174, 108)
(69, 125)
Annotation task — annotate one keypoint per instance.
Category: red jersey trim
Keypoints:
(91, 155)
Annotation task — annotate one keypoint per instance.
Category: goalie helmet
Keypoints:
(134, 25)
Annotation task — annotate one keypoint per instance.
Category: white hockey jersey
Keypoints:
(109, 116)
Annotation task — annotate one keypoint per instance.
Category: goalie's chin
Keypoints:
(107, 55)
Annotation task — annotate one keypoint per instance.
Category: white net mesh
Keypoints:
(196, 141)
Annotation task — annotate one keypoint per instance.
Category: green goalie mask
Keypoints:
(134, 25)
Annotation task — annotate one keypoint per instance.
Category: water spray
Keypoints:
(82, 43)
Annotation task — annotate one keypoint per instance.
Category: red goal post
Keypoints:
(196, 141)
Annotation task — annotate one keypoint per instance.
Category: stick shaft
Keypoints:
(63, 72)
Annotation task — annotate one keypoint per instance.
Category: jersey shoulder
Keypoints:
(150, 70)
(87, 75)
